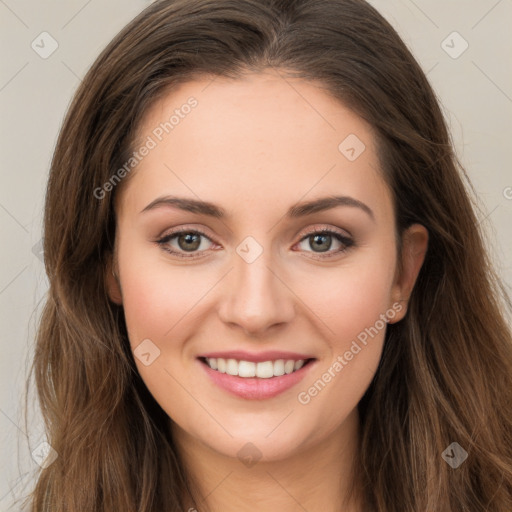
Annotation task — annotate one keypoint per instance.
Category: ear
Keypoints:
(414, 249)
(111, 281)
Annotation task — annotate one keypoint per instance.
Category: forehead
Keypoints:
(261, 136)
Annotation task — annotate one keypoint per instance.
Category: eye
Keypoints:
(180, 243)
(323, 240)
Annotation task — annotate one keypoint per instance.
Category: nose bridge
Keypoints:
(256, 298)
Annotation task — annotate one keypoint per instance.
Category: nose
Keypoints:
(256, 297)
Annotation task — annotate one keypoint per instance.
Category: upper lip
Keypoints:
(269, 355)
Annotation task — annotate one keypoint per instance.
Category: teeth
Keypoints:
(289, 366)
(246, 369)
(263, 370)
(278, 367)
(232, 367)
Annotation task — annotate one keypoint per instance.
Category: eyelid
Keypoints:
(325, 228)
(186, 228)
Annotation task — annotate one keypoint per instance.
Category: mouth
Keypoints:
(255, 380)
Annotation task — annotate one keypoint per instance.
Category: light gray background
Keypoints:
(475, 90)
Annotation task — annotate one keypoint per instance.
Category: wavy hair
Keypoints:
(446, 369)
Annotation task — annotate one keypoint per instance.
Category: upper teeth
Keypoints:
(263, 370)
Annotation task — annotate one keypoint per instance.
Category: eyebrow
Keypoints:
(295, 211)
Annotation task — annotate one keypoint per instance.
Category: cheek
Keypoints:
(350, 298)
(360, 303)
(159, 307)
(353, 306)
(156, 300)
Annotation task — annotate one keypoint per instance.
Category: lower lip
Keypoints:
(254, 388)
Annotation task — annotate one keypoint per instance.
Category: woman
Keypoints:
(198, 350)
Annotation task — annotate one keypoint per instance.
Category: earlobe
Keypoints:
(414, 250)
(112, 283)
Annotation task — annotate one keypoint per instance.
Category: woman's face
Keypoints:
(257, 278)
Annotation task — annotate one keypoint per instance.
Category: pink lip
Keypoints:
(269, 355)
(255, 388)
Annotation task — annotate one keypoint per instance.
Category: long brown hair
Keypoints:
(446, 371)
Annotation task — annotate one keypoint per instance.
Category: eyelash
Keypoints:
(345, 241)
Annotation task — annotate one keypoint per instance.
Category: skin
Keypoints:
(256, 146)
